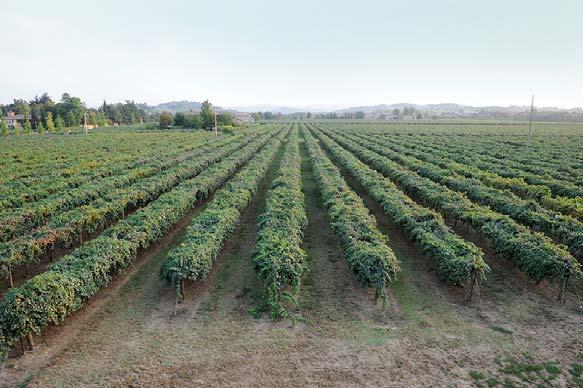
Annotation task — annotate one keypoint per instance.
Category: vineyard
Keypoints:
(294, 252)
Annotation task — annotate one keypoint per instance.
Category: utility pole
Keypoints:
(530, 121)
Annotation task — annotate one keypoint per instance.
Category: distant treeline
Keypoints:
(203, 119)
(412, 113)
(71, 111)
(538, 115)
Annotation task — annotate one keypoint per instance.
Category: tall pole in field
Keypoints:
(530, 121)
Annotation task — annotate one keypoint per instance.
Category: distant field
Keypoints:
(294, 253)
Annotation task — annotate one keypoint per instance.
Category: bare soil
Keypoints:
(133, 334)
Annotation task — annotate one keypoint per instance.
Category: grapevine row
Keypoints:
(19, 190)
(562, 229)
(458, 262)
(365, 247)
(68, 226)
(533, 253)
(519, 156)
(557, 187)
(205, 236)
(50, 297)
(278, 259)
(567, 206)
(515, 156)
(23, 219)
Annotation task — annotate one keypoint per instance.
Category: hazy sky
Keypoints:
(295, 52)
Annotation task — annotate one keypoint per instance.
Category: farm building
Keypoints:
(243, 118)
(12, 119)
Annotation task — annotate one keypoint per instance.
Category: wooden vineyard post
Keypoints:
(10, 280)
(563, 291)
(179, 295)
(30, 341)
(474, 284)
(386, 303)
(181, 285)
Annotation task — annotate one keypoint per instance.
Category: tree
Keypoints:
(419, 116)
(27, 127)
(60, 124)
(20, 107)
(193, 121)
(37, 111)
(127, 113)
(207, 115)
(396, 112)
(40, 127)
(4, 126)
(45, 99)
(16, 128)
(71, 120)
(179, 119)
(91, 118)
(50, 123)
(309, 115)
(101, 120)
(225, 118)
(256, 116)
(166, 119)
(359, 115)
(72, 109)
